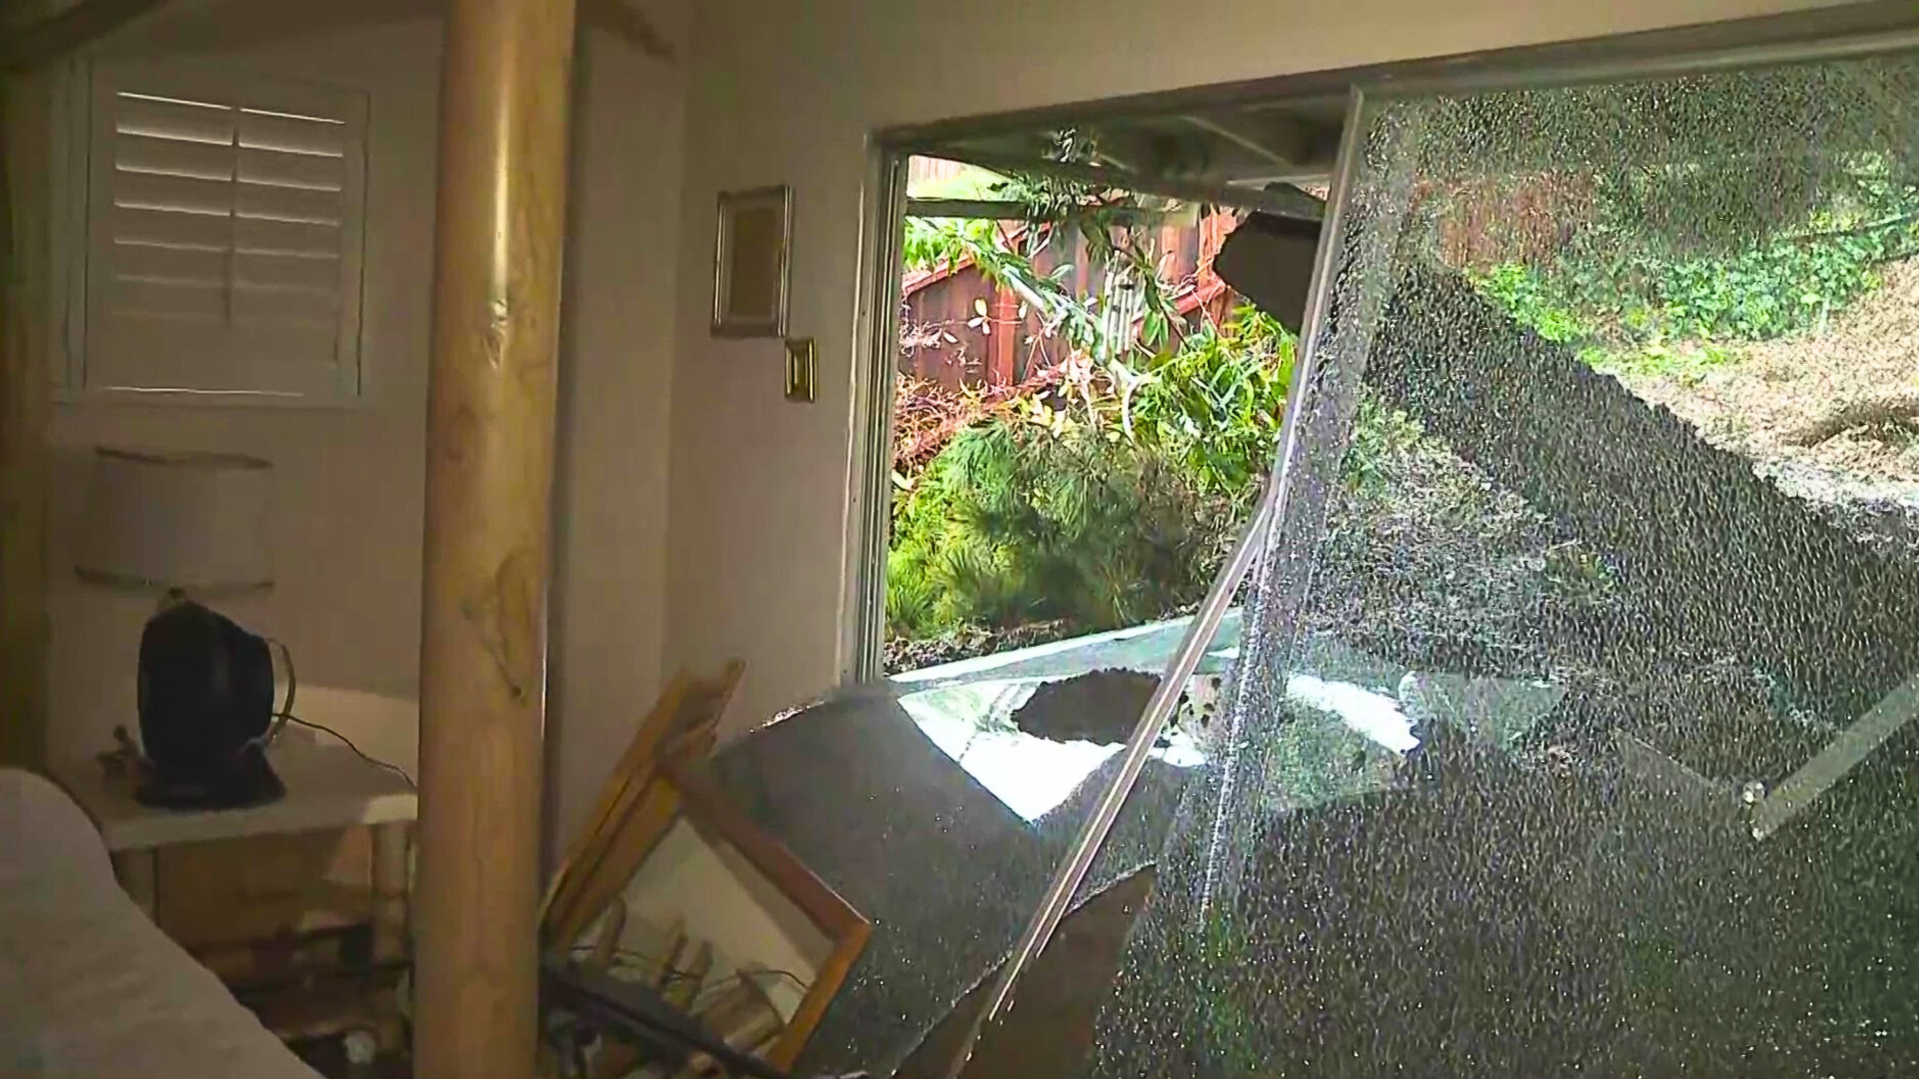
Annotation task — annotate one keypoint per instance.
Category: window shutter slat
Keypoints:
(289, 204)
(172, 194)
(165, 300)
(287, 238)
(204, 269)
(145, 154)
(287, 134)
(272, 306)
(274, 168)
(138, 115)
(168, 227)
(314, 275)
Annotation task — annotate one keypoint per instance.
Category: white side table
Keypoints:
(327, 787)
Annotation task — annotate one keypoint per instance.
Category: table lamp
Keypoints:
(193, 525)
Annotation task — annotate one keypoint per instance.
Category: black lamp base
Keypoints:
(244, 780)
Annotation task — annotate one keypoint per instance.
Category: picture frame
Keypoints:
(727, 921)
(627, 818)
(752, 262)
(845, 929)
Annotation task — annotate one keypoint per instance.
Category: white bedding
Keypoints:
(91, 987)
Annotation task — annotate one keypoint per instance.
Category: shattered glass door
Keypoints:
(1572, 730)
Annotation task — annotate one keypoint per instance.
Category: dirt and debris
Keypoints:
(1831, 417)
(907, 654)
(1845, 401)
(1099, 706)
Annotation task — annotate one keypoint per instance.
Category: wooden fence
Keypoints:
(958, 329)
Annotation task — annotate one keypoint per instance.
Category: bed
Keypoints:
(88, 985)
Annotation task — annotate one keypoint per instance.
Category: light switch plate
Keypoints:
(802, 369)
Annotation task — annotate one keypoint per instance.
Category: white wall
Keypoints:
(783, 92)
(348, 525)
(616, 344)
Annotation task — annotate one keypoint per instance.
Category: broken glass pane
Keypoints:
(1571, 729)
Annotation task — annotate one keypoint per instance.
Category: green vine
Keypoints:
(1617, 284)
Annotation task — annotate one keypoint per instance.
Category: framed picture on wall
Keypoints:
(752, 262)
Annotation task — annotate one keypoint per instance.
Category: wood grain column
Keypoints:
(496, 304)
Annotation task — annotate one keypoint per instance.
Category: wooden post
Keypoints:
(1001, 347)
(390, 842)
(502, 185)
(25, 400)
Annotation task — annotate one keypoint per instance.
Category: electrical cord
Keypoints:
(740, 977)
(707, 994)
(280, 715)
(285, 715)
(357, 751)
(293, 683)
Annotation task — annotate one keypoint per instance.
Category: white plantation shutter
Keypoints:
(224, 236)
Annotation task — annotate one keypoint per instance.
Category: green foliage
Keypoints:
(1111, 504)
(1687, 362)
(1017, 522)
(932, 242)
(1106, 506)
(1382, 439)
(1787, 287)
(1534, 301)
(1074, 319)
(1636, 291)
(1216, 403)
(1782, 287)
(1062, 212)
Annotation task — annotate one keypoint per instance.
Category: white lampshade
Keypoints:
(165, 519)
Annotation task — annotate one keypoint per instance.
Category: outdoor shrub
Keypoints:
(1015, 522)
(1605, 287)
(1098, 510)
(1216, 403)
(1533, 299)
(929, 243)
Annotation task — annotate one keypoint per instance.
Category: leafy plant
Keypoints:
(933, 242)
(1100, 326)
(1686, 361)
(1533, 301)
(1631, 290)
(1382, 439)
(1217, 403)
(1107, 500)
(1038, 518)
